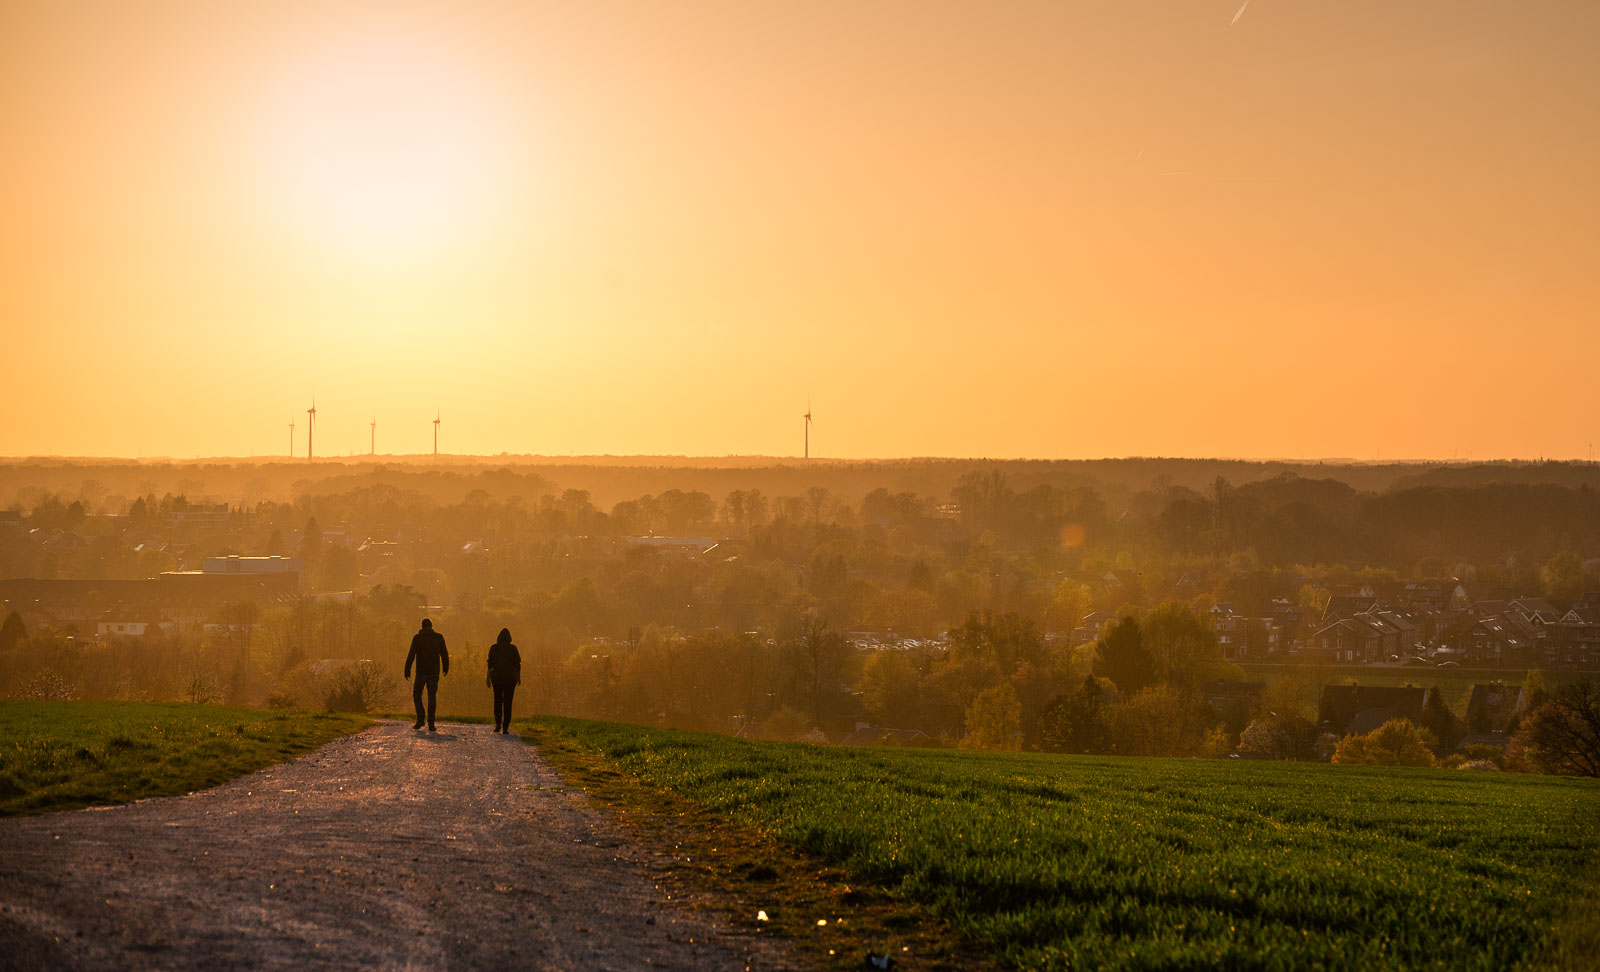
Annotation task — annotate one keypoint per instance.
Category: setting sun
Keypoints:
(377, 146)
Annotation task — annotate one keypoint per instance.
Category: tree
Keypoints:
(1439, 720)
(12, 632)
(994, 719)
(1158, 721)
(1182, 644)
(817, 502)
(1533, 688)
(1075, 723)
(1069, 602)
(311, 544)
(1263, 737)
(1563, 575)
(1122, 657)
(1563, 734)
(1397, 742)
(888, 687)
(817, 657)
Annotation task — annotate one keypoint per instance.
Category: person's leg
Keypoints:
(416, 699)
(499, 705)
(433, 699)
(510, 691)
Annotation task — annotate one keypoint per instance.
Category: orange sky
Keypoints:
(1055, 229)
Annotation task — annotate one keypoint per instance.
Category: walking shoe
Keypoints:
(431, 729)
(417, 726)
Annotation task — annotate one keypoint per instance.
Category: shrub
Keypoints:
(1395, 743)
(1158, 721)
(362, 687)
(47, 685)
(786, 724)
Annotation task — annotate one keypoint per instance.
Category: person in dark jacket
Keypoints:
(433, 660)
(505, 674)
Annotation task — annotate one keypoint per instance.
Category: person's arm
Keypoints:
(516, 662)
(444, 657)
(410, 657)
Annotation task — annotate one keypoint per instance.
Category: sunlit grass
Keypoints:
(58, 755)
(1096, 862)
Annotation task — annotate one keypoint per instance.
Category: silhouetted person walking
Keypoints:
(433, 660)
(505, 674)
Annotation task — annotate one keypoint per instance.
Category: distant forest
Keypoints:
(1402, 517)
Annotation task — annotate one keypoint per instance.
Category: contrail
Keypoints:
(1236, 16)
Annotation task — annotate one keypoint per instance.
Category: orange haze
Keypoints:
(1056, 229)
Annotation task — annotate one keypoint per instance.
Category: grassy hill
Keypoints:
(59, 755)
(1097, 862)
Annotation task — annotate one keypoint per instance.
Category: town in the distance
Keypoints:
(1156, 607)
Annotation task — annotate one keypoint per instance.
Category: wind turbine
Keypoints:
(374, 435)
(435, 433)
(808, 427)
(291, 438)
(311, 426)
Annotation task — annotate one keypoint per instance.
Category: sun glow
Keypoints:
(382, 148)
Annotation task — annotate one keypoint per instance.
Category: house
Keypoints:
(1360, 639)
(1241, 638)
(1504, 639)
(1535, 610)
(1124, 581)
(1440, 594)
(1225, 695)
(1346, 605)
(1405, 624)
(1294, 622)
(121, 627)
(686, 545)
(1351, 709)
(1092, 627)
(1572, 642)
(235, 564)
(1491, 705)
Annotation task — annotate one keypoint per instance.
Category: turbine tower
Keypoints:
(311, 426)
(808, 428)
(374, 435)
(291, 439)
(435, 433)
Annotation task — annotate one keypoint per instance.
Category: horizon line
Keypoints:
(580, 458)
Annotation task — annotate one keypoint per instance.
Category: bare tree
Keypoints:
(1563, 734)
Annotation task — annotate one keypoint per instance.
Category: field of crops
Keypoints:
(56, 755)
(1098, 862)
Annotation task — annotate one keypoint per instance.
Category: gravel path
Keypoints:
(387, 849)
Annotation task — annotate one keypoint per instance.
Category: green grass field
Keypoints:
(1097, 862)
(58, 755)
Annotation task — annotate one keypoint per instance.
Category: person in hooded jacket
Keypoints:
(505, 674)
